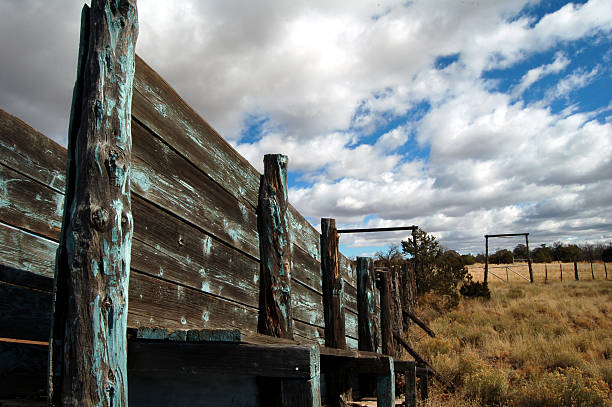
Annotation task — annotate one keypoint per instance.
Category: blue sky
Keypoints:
(464, 118)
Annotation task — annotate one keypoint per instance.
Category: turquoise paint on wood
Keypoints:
(385, 387)
(89, 347)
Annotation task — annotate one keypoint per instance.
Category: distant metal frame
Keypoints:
(486, 271)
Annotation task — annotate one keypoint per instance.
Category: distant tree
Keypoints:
(502, 256)
(468, 259)
(606, 254)
(480, 258)
(520, 252)
(391, 257)
(542, 254)
(437, 270)
(569, 253)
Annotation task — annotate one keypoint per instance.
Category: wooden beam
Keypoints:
(275, 313)
(386, 315)
(397, 320)
(281, 361)
(576, 271)
(529, 258)
(369, 336)
(332, 286)
(508, 235)
(410, 385)
(486, 270)
(92, 276)
(421, 324)
(368, 230)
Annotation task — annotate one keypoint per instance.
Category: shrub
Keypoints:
(474, 289)
(489, 386)
(564, 387)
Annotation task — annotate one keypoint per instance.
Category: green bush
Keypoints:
(474, 289)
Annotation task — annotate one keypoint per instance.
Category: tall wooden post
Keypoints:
(385, 387)
(397, 324)
(561, 270)
(88, 346)
(386, 315)
(275, 314)
(545, 273)
(529, 258)
(592, 272)
(333, 306)
(605, 270)
(486, 270)
(366, 305)
(576, 271)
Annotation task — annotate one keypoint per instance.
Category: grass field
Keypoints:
(518, 272)
(530, 345)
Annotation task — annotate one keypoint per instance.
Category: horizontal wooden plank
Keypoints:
(188, 335)
(291, 361)
(348, 270)
(303, 233)
(25, 279)
(169, 248)
(307, 332)
(352, 343)
(162, 176)
(24, 251)
(162, 110)
(350, 324)
(306, 269)
(32, 153)
(155, 302)
(23, 369)
(24, 313)
(350, 297)
(307, 305)
(29, 205)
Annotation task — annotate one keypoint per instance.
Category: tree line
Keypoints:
(558, 252)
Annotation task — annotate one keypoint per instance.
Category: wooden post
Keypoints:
(561, 270)
(333, 307)
(366, 306)
(576, 271)
(275, 314)
(88, 351)
(424, 385)
(410, 385)
(486, 270)
(507, 275)
(397, 324)
(545, 273)
(605, 270)
(386, 314)
(529, 258)
(385, 389)
(338, 383)
(592, 273)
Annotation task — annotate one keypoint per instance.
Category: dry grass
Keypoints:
(530, 345)
(519, 272)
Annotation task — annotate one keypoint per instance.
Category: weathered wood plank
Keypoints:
(367, 316)
(275, 302)
(348, 270)
(307, 305)
(304, 331)
(285, 361)
(306, 269)
(26, 252)
(351, 326)
(26, 204)
(24, 313)
(162, 176)
(301, 393)
(350, 296)
(386, 315)
(188, 335)
(26, 150)
(166, 247)
(22, 370)
(92, 275)
(304, 234)
(162, 110)
(23, 278)
(385, 388)
(332, 286)
(155, 302)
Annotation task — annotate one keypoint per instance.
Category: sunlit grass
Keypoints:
(529, 345)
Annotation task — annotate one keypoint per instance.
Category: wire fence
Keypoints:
(519, 271)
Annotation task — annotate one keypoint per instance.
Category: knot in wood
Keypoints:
(99, 219)
(181, 243)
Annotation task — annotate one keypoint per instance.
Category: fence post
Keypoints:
(386, 315)
(545, 273)
(529, 258)
(507, 275)
(410, 385)
(93, 260)
(338, 383)
(561, 270)
(275, 313)
(592, 273)
(576, 271)
(486, 270)
(605, 270)
(366, 306)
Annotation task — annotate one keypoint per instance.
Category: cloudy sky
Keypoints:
(464, 117)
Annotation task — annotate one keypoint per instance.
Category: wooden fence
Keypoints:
(195, 258)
